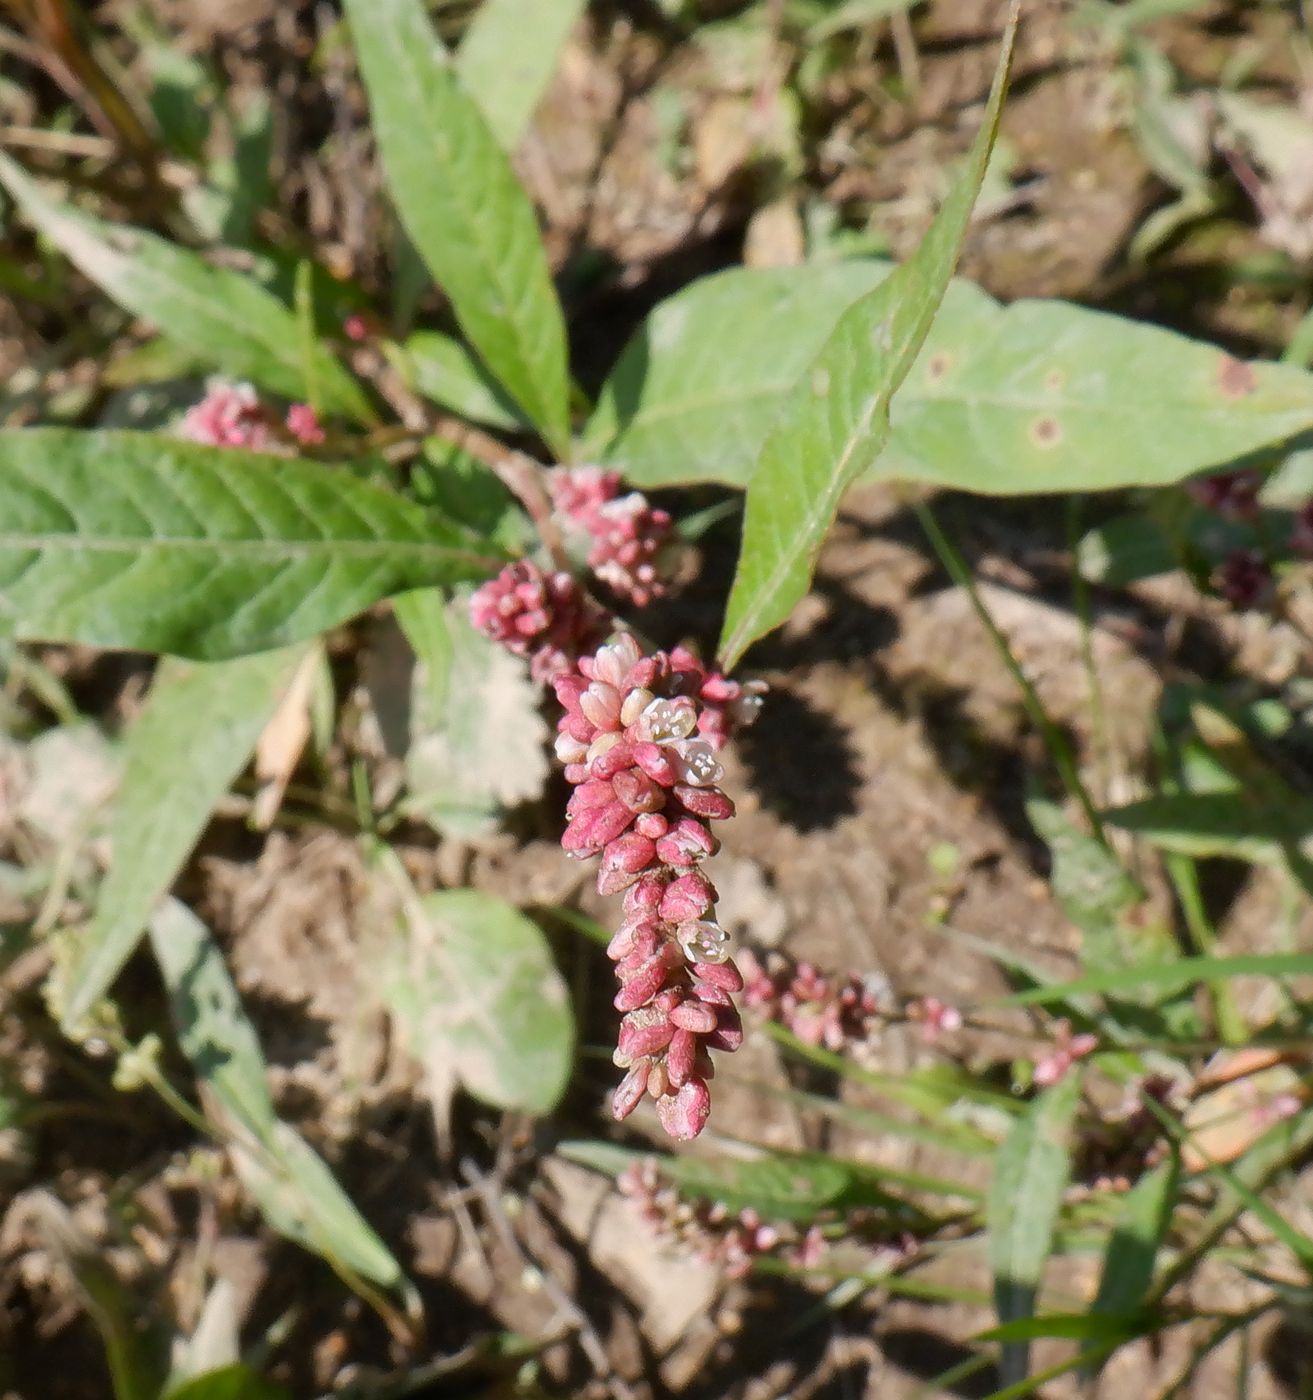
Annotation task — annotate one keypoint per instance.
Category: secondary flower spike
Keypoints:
(629, 541)
(646, 789)
(545, 617)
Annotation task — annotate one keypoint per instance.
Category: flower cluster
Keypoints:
(1244, 579)
(545, 617)
(839, 1013)
(1231, 495)
(645, 791)
(231, 415)
(629, 540)
(710, 1230)
(1058, 1061)
(1246, 575)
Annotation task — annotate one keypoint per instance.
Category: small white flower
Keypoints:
(667, 721)
(703, 941)
(696, 763)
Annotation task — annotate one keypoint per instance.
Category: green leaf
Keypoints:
(463, 209)
(122, 539)
(1080, 1327)
(836, 419)
(1030, 1175)
(1174, 974)
(236, 1382)
(696, 391)
(1087, 878)
(476, 998)
(198, 721)
(1005, 400)
(216, 312)
(296, 1192)
(1142, 1223)
(443, 370)
(1233, 824)
(478, 743)
(507, 58)
(855, 14)
(1125, 550)
(778, 1185)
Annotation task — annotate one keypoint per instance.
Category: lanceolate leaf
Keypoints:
(1137, 1236)
(507, 58)
(698, 389)
(192, 738)
(463, 209)
(228, 319)
(778, 1185)
(476, 997)
(835, 420)
(120, 539)
(297, 1193)
(443, 370)
(1030, 1175)
(1035, 396)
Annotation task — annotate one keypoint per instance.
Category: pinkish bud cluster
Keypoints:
(545, 617)
(937, 1018)
(838, 1013)
(645, 792)
(1232, 495)
(710, 1230)
(629, 539)
(723, 705)
(304, 425)
(1061, 1058)
(230, 415)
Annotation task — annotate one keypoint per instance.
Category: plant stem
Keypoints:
(1059, 750)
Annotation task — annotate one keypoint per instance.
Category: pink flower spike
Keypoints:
(303, 424)
(230, 415)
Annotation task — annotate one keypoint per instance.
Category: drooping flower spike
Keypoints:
(646, 789)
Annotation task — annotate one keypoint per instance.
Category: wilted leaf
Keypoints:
(120, 539)
(1250, 1092)
(835, 420)
(478, 742)
(283, 739)
(476, 996)
(295, 1191)
(507, 57)
(1030, 1175)
(230, 319)
(192, 738)
(464, 210)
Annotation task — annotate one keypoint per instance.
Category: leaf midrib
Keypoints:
(134, 544)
